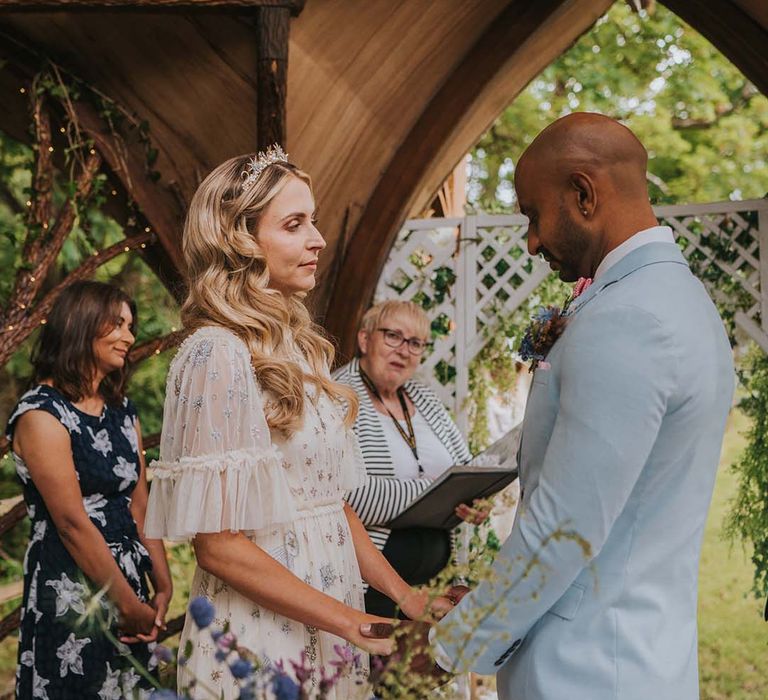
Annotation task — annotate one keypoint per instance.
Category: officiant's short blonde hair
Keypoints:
(379, 313)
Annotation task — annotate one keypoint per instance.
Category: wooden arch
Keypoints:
(378, 100)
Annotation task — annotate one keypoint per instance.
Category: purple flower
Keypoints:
(284, 687)
(347, 657)
(241, 668)
(162, 653)
(202, 612)
(226, 641)
(329, 681)
(302, 669)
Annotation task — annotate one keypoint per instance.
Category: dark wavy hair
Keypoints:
(64, 355)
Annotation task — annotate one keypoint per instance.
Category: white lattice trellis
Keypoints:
(485, 260)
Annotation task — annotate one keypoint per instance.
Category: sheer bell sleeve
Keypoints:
(218, 469)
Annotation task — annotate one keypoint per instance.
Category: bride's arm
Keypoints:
(243, 565)
(379, 574)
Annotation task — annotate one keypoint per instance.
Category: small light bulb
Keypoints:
(22, 90)
(50, 149)
(126, 249)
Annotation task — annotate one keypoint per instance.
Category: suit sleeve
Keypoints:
(616, 375)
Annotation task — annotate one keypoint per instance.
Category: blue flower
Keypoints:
(545, 313)
(202, 612)
(163, 694)
(162, 653)
(241, 668)
(284, 687)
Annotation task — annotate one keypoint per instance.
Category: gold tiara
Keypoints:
(256, 165)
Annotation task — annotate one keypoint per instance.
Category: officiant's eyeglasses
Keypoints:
(394, 339)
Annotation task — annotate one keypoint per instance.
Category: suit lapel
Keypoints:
(649, 254)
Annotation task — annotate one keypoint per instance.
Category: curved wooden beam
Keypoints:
(733, 31)
(295, 6)
(520, 42)
(161, 211)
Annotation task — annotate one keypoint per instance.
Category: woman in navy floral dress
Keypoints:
(77, 447)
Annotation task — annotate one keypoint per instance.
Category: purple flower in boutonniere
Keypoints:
(546, 326)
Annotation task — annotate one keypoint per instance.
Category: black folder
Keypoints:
(460, 484)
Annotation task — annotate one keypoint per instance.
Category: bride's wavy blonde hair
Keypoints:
(229, 287)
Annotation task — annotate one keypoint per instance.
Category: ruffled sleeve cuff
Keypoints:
(239, 490)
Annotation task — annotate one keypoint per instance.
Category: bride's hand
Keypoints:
(421, 604)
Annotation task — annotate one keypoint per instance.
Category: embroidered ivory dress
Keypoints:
(221, 469)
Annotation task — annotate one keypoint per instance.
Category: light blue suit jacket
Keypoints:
(594, 593)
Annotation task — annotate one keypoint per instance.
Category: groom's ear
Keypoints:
(584, 194)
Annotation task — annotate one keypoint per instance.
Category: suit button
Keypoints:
(515, 645)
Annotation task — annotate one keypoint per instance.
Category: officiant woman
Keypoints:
(407, 439)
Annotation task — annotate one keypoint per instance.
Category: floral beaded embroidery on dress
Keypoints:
(221, 469)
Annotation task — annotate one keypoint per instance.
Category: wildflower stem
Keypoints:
(142, 671)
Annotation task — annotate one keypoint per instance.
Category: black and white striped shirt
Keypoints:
(384, 496)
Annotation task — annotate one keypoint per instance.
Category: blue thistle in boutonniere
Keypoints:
(546, 326)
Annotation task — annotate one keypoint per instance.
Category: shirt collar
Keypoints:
(655, 234)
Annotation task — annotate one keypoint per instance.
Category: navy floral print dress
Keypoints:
(63, 651)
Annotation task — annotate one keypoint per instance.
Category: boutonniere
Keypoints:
(546, 326)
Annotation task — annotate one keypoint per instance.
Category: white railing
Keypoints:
(474, 269)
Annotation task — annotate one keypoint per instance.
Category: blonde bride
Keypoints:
(257, 450)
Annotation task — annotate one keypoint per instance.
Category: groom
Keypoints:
(593, 595)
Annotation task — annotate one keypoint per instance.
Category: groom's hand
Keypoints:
(456, 593)
(412, 666)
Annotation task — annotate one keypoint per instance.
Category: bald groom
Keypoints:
(593, 595)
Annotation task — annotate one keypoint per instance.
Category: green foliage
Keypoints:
(93, 231)
(704, 125)
(748, 518)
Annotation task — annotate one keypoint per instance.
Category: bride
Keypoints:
(257, 450)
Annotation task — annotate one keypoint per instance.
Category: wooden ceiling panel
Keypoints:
(187, 76)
